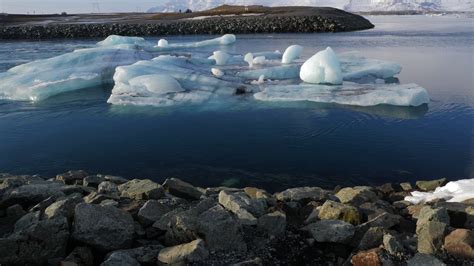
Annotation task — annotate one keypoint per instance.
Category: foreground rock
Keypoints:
(68, 220)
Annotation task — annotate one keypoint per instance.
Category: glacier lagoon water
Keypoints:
(270, 145)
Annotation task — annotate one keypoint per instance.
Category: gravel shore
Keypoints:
(80, 219)
(221, 20)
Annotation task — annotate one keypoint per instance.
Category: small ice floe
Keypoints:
(259, 60)
(162, 43)
(454, 191)
(322, 68)
(277, 73)
(217, 72)
(114, 40)
(291, 54)
(227, 39)
(249, 59)
(260, 80)
(220, 57)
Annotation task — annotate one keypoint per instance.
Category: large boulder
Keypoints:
(273, 223)
(367, 258)
(372, 238)
(302, 194)
(147, 255)
(392, 245)
(332, 210)
(356, 195)
(31, 194)
(430, 185)
(151, 212)
(332, 231)
(244, 207)
(103, 227)
(108, 188)
(63, 208)
(79, 256)
(141, 189)
(72, 177)
(424, 260)
(460, 243)
(182, 189)
(93, 180)
(431, 237)
(194, 251)
(428, 214)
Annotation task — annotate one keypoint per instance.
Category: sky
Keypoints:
(74, 6)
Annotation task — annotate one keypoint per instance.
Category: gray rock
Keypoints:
(109, 202)
(96, 198)
(120, 259)
(151, 212)
(192, 252)
(372, 238)
(27, 220)
(332, 210)
(428, 214)
(31, 194)
(245, 208)
(64, 208)
(72, 177)
(105, 228)
(385, 220)
(406, 186)
(302, 194)
(333, 231)
(430, 185)
(141, 189)
(273, 223)
(356, 195)
(392, 245)
(313, 216)
(79, 256)
(92, 181)
(114, 179)
(221, 231)
(145, 255)
(108, 188)
(431, 237)
(424, 260)
(15, 211)
(182, 189)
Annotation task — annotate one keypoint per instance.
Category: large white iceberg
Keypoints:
(291, 53)
(114, 40)
(348, 93)
(322, 68)
(454, 191)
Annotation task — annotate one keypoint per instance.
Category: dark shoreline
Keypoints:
(80, 219)
(263, 20)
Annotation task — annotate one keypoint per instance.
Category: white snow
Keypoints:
(348, 93)
(291, 53)
(323, 67)
(217, 72)
(163, 43)
(220, 57)
(454, 191)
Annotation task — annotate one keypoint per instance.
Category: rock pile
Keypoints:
(82, 219)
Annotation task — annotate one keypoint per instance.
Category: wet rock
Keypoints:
(187, 253)
(79, 256)
(424, 260)
(372, 238)
(108, 188)
(105, 228)
(332, 210)
(273, 223)
(333, 231)
(460, 243)
(182, 189)
(430, 185)
(431, 237)
(139, 189)
(151, 211)
(72, 177)
(92, 181)
(63, 208)
(245, 208)
(221, 231)
(392, 245)
(367, 258)
(356, 195)
(302, 194)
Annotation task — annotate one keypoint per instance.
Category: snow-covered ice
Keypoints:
(259, 60)
(114, 40)
(454, 191)
(355, 67)
(220, 57)
(226, 39)
(291, 53)
(323, 67)
(348, 93)
(163, 43)
(217, 72)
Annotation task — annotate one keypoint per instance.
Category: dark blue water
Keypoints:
(265, 145)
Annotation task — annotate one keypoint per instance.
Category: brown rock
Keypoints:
(367, 258)
(460, 243)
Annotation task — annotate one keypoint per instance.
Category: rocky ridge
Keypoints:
(81, 219)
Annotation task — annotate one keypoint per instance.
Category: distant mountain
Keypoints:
(349, 5)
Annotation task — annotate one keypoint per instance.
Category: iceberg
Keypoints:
(220, 57)
(277, 73)
(217, 72)
(227, 39)
(323, 67)
(291, 54)
(162, 43)
(84, 68)
(356, 67)
(454, 191)
(348, 94)
(114, 40)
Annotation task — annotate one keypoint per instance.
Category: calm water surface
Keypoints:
(274, 146)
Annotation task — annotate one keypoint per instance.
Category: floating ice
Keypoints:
(224, 40)
(277, 73)
(355, 67)
(260, 80)
(323, 67)
(114, 40)
(454, 191)
(269, 55)
(259, 60)
(348, 93)
(220, 57)
(163, 43)
(217, 72)
(80, 69)
(291, 53)
(249, 59)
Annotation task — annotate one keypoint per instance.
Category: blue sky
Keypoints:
(74, 6)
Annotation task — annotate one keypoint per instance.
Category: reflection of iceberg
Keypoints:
(80, 69)
(348, 93)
